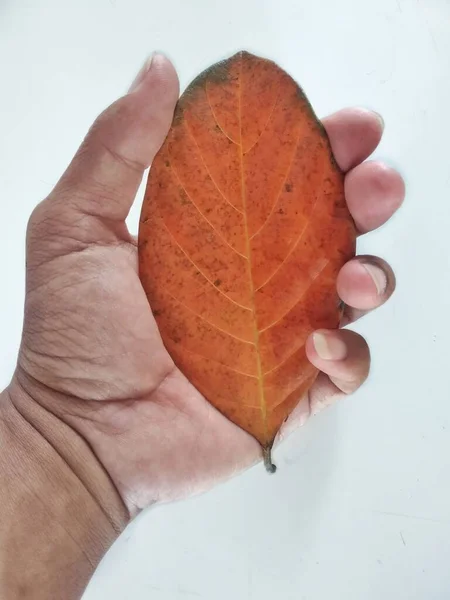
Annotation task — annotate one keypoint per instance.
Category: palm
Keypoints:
(121, 390)
(90, 339)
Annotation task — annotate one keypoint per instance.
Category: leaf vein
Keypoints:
(216, 119)
(207, 169)
(269, 118)
(285, 359)
(295, 389)
(166, 291)
(277, 199)
(299, 239)
(177, 177)
(297, 302)
(208, 358)
(198, 269)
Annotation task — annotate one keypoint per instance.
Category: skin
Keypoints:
(94, 384)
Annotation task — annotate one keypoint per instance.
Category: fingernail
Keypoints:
(378, 277)
(142, 74)
(329, 347)
(380, 119)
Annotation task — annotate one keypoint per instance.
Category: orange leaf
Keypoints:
(244, 228)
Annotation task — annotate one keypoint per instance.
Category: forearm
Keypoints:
(59, 511)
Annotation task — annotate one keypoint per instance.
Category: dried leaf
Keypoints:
(244, 228)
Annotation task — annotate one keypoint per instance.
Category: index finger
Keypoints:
(354, 134)
(373, 190)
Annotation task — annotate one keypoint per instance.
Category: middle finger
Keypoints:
(374, 192)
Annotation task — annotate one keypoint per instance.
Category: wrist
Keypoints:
(60, 511)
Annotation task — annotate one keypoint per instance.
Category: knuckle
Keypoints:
(52, 230)
(46, 218)
(43, 222)
(106, 135)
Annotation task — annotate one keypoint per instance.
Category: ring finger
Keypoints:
(364, 283)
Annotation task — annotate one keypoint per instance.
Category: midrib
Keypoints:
(260, 375)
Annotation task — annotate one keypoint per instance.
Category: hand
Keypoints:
(91, 353)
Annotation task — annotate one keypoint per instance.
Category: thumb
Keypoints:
(101, 182)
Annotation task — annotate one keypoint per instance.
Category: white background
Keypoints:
(360, 506)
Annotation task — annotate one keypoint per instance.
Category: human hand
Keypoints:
(91, 353)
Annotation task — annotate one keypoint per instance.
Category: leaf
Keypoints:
(243, 231)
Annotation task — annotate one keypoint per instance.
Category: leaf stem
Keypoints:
(267, 455)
